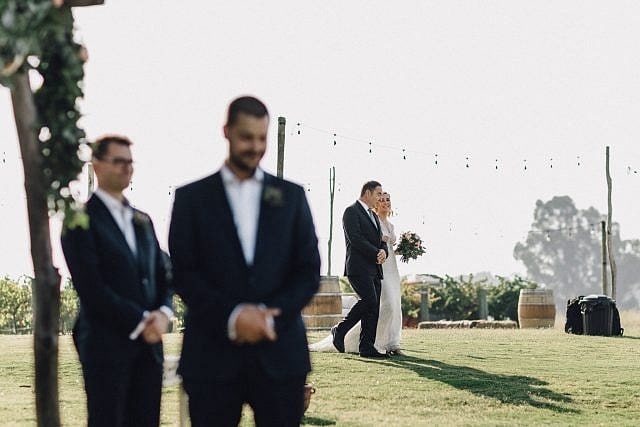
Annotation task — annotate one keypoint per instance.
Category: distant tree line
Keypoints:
(563, 250)
(16, 310)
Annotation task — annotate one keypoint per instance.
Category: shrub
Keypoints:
(69, 307)
(503, 297)
(456, 299)
(15, 305)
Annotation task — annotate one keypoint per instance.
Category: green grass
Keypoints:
(448, 377)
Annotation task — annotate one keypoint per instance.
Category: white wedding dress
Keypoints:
(390, 318)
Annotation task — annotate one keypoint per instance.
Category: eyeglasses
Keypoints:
(117, 161)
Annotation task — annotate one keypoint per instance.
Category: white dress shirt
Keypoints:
(244, 200)
(122, 213)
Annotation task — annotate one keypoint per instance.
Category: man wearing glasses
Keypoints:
(120, 275)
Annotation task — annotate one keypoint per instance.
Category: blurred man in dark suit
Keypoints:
(120, 275)
(246, 261)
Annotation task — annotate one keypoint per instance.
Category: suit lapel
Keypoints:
(266, 221)
(220, 205)
(142, 246)
(146, 254)
(107, 219)
(375, 216)
(366, 214)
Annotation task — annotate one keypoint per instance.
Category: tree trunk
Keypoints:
(46, 286)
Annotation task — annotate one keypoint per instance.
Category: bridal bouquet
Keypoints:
(409, 246)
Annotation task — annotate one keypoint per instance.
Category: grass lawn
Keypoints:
(448, 377)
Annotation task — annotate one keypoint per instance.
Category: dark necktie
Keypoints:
(373, 218)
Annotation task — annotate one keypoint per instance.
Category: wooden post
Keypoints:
(603, 227)
(483, 307)
(46, 286)
(424, 305)
(332, 189)
(281, 128)
(610, 250)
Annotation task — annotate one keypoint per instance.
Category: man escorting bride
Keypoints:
(373, 326)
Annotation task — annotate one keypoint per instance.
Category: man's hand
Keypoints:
(385, 239)
(382, 256)
(155, 325)
(255, 324)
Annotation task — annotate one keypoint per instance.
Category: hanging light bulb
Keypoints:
(551, 163)
(404, 155)
(496, 164)
(298, 125)
(578, 159)
(370, 148)
(334, 140)
(436, 160)
(548, 237)
(525, 164)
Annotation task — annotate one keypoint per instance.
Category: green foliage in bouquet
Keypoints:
(409, 246)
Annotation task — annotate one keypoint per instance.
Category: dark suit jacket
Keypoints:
(115, 287)
(212, 277)
(363, 242)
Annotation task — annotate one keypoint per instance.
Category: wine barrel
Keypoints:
(325, 308)
(536, 308)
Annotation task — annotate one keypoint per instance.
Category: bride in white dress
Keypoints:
(390, 318)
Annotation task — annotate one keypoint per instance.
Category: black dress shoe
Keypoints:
(373, 354)
(396, 352)
(338, 340)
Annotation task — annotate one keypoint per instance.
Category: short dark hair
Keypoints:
(369, 186)
(247, 105)
(100, 146)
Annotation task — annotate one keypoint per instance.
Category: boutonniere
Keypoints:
(141, 218)
(272, 196)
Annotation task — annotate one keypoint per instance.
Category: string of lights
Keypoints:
(336, 138)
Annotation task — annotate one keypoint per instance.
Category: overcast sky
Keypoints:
(478, 83)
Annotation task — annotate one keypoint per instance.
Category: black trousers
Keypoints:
(366, 311)
(123, 392)
(275, 402)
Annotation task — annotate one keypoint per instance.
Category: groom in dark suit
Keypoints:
(246, 261)
(366, 253)
(120, 275)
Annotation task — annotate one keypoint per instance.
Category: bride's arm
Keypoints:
(392, 235)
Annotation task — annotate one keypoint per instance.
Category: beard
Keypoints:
(239, 162)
